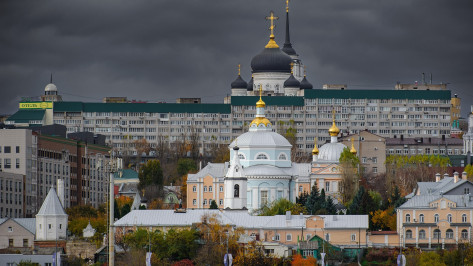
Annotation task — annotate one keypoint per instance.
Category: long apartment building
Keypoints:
(387, 113)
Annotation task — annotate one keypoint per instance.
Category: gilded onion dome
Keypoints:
(315, 151)
(333, 131)
(352, 149)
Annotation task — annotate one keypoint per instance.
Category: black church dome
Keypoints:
(305, 84)
(271, 60)
(239, 83)
(292, 82)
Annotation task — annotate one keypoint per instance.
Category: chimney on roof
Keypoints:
(456, 177)
(437, 177)
(445, 175)
(464, 175)
(288, 215)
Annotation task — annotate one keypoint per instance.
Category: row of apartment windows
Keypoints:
(9, 212)
(436, 218)
(9, 199)
(209, 189)
(7, 149)
(7, 163)
(17, 185)
(425, 151)
(437, 234)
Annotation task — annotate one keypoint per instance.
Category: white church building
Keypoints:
(260, 170)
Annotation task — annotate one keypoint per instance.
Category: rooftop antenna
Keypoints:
(431, 78)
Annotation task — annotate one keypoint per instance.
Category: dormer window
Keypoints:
(282, 157)
(261, 156)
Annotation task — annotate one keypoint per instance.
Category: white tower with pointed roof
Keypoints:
(51, 220)
(235, 183)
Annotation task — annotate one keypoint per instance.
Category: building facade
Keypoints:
(438, 214)
(371, 150)
(12, 202)
(19, 156)
(76, 163)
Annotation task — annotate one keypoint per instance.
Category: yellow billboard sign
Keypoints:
(36, 105)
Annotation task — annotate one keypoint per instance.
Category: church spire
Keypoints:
(287, 48)
(272, 43)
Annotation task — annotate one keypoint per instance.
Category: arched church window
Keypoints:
(241, 156)
(236, 191)
(282, 157)
(261, 156)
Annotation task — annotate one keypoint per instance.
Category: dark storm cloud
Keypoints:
(161, 50)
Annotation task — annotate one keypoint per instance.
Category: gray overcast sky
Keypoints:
(161, 50)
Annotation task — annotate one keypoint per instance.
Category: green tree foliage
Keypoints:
(319, 203)
(174, 245)
(349, 164)
(151, 174)
(81, 211)
(302, 199)
(185, 166)
(280, 206)
(80, 216)
(469, 172)
(125, 209)
(404, 171)
(431, 259)
(213, 205)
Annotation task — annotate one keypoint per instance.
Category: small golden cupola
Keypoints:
(260, 122)
(315, 151)
(352, 149)
(333, 131)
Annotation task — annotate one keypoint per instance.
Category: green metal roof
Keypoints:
(269, 100)
(379, 94)
(125, 174)
(25, 116)
(142, 107)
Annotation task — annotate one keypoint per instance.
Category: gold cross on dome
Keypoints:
(260, 90)
(333, 113)
(238, 69)
(272, 18)
(287, 5)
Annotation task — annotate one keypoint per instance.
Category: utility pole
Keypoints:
(111, 236)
